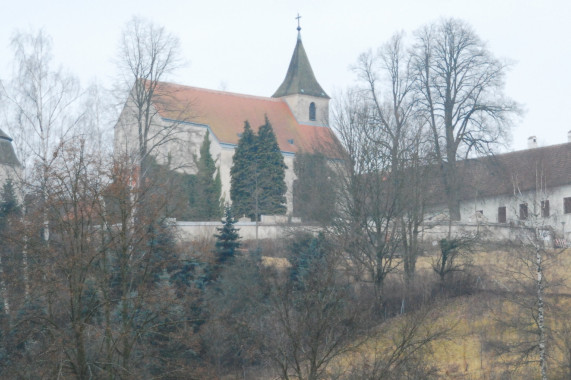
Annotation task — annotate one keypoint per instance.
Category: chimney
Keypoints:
(531, 142)
(569, 136)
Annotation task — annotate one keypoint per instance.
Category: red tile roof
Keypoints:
(226, 112)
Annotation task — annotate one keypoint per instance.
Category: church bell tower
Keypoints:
(300, 90)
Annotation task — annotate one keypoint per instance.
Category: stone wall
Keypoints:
(188, 231)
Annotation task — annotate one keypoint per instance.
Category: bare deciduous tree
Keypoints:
(453, 257)
(102, 298)
(148, 55)
(460, 88)
(390, 84)
(43, 106)
(312, 319)
(367, 207)
(385, 146)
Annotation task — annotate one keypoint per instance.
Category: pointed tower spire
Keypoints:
(300, 78)
(298, 27)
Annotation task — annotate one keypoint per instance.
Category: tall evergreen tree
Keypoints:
(244, 174)
(307, 253)
(272, 172)
(313, 190)
(208, 187)
(258, 174)
(8, 203)
(9, 208)
(227, 238)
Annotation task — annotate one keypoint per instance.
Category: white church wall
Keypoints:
(182, 146)
(126, 140)
(182, 150)
(125, 132)
(227, 153)
(5, 172)
(14, 173)
(224, 165)
(171, 142)
(290, 177)
(10, 172)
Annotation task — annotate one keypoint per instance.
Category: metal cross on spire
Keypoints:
(298, 27)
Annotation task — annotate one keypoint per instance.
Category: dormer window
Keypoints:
(312, 111)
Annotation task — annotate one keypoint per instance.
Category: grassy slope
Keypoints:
(476, 320)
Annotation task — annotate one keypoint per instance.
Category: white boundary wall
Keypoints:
(189, 231)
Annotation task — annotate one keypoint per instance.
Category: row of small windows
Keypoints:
(524, 211)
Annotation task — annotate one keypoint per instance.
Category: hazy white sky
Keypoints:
(245, 46)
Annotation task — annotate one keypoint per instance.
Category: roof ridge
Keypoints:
(315, 125)
(515, 152)
(248, 96)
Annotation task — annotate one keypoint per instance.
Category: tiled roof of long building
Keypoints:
(225, 113)
(508, 173)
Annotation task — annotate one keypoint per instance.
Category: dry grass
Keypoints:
(466, 352)
(276, 262)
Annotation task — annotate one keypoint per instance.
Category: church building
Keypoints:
(298, 112)
(10, 167)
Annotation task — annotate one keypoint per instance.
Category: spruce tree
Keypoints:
(258, 174)
(227, 238)
(313, 190)
(307, 255)
(9, 206)
(244, 174)
(271, 171)
(208, 187)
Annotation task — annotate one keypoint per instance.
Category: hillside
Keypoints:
(490, 334)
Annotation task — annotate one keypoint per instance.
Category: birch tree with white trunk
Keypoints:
(42, 109)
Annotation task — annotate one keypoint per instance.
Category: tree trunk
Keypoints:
(4, 290)
(25, 269)
(540, 315)
(451, 182)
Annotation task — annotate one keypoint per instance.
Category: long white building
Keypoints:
(530, 187)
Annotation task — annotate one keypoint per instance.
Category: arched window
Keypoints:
(312, 111)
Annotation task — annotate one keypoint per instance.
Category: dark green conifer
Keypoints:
(9, 206)
(307, 255)
(313, 190)
(208, 187)
(258, 174)
(244, 174)
(272, 172)
(227, 238)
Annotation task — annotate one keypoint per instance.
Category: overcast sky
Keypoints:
(245, 46)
